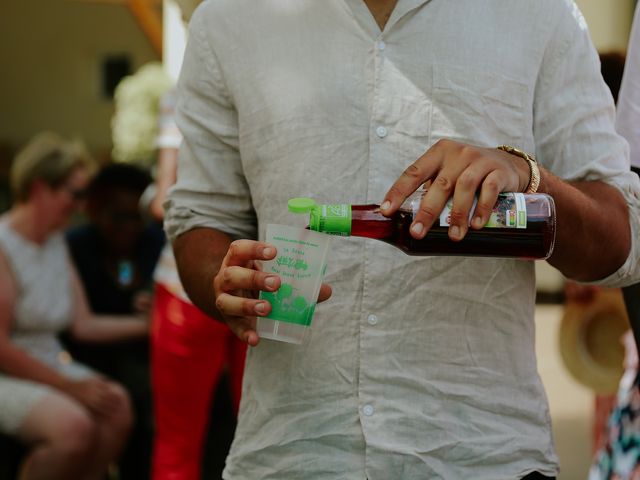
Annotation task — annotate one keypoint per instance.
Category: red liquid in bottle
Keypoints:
(533, 242)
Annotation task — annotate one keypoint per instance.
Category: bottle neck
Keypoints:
(331, 219)
(351, 220)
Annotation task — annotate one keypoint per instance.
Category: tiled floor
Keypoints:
(571, 404)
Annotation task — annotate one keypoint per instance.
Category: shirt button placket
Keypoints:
(381, 131)
(378, 132)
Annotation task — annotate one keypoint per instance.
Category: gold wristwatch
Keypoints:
(534, 171)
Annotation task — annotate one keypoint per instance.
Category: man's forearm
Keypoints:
(593, 234)
(199, 254)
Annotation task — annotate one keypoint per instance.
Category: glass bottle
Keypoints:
(521, 226)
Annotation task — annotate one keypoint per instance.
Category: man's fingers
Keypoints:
(456, 170)
(464, 196)
(241, 271)
(250, 337)
(433, 202)
(243, 251)
(245, 329)
(239, 278)
(240, 315)
(325, 292)
(232, 306)
(491, 187)
(423, 169)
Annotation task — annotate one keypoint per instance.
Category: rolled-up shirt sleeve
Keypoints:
(574, 120)
(211, 189)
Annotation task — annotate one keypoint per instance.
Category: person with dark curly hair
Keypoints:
(115, 253)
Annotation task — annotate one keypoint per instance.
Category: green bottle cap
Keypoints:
(301, 205)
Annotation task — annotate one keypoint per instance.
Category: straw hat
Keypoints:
(591, 340)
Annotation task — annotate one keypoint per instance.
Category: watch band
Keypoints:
(534, 170)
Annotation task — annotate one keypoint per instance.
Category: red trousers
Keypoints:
(189, 352)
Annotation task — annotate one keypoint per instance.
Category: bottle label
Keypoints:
(510, 211)
(332, 219)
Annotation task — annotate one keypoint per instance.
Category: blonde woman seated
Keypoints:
(73, 421)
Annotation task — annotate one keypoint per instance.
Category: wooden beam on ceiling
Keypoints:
(148, 14)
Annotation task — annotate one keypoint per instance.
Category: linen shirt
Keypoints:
(416, 367)
(628, 113)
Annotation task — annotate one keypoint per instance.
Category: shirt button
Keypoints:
(381, 45)
(372, 319)
(368, 410)
(381, 132)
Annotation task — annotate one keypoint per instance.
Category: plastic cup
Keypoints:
(300, 263)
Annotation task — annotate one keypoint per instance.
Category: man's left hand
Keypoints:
(460, 171)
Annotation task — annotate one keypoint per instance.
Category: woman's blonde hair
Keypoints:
(49, 158)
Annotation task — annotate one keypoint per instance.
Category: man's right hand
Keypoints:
(207, 258)
(237, 285)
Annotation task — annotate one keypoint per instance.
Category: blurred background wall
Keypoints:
(609, 22)
(55, 57)
(58, 64)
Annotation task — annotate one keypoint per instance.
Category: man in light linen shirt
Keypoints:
(417, 368)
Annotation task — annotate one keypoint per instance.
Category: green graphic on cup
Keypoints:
(287, 308)
(300, 263)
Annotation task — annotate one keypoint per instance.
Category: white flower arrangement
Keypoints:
(134, 126)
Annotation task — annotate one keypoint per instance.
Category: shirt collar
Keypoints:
(363, 16)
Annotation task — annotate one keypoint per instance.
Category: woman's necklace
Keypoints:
(125, 272)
